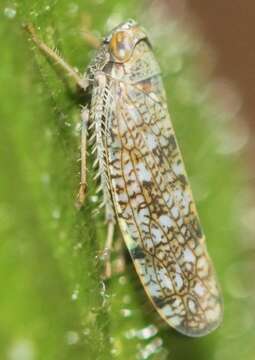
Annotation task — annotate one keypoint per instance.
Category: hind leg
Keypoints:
(84, 135)
(108, 250)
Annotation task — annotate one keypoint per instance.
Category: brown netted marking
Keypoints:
(153, 198)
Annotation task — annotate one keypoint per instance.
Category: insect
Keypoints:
(144, 183)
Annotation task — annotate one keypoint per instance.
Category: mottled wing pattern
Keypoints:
(155, 209)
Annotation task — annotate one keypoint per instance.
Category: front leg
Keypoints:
(84, 135)
(80, 81)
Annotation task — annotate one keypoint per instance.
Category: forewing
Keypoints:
(155, 209)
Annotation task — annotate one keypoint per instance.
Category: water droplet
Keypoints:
(152, 348)
(33, 13)
(72, 337)
(77, 246)
(114, 352)
(147, 332)
(93, 198)
(116, 346)
(103, 293)
(10, 12)
(75, 293)
(126, 312)
(142, 334)
(73, 8)
(130, 334)
(86, 332)
(45, 179)
(77, 128)
(103, 256)
(22, 349)
(122, 280)
(56, 214)
(48, 134)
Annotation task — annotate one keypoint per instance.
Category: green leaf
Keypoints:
(53, 302)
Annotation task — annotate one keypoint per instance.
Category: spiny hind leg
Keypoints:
(51, 54)
(84, 136)
(108, 249)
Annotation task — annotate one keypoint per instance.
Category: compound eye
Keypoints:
(121, 45)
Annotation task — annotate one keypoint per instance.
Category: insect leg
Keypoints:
(83, 183)
(108, 248)
(91, 39)
(47, 51)
(87, 35)
(120, 263)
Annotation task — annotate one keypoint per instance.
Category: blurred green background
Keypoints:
(53, 303)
